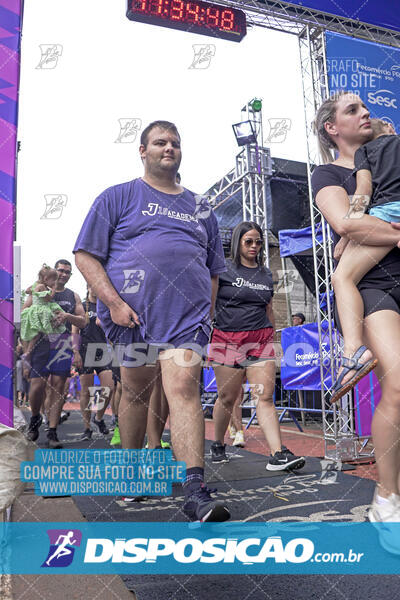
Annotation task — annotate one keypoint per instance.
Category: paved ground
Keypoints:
(63, 587)
(309, 443)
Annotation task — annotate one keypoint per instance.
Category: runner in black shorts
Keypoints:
(94, 357)
(342, 123)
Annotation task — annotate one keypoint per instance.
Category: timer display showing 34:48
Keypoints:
(198, 17)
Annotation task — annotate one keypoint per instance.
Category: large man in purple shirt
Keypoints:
(151, 250)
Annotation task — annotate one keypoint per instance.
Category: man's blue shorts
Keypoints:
(132, 351)
(52, 355)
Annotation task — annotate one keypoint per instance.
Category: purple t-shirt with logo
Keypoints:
(159, 251)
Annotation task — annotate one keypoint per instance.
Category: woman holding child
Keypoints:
(342, 123)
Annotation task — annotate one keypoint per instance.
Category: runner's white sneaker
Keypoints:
(239, 439)
(383, 516)
(388, 512)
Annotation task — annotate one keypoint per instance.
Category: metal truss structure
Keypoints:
(250, 177)
(287, 18)
(341, 440)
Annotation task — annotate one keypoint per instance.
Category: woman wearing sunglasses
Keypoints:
(243, 339)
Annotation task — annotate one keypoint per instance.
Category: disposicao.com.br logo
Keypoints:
(201, 548)
(188, 549)
(191, 550)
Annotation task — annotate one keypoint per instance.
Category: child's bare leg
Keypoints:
(355, 262)
(27, 348)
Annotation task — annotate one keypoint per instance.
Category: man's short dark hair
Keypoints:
(144, 138)
(300, 315)
(63, 261)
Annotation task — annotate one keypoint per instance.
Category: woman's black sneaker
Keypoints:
(218, 454)
(33, 429)
(285, 460)
(102, 427)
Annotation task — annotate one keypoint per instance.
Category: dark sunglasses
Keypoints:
(249, 242)
(64, 271)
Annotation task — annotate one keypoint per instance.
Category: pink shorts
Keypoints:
(240, 349)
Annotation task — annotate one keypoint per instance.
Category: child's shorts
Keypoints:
(389, 212)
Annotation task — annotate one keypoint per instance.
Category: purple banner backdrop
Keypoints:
(367, 395)
(10, 36)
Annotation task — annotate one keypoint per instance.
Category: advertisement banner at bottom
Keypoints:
(200, 548)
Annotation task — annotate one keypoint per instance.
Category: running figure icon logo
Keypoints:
(278, 129)
(133, 280)
(50, 53)
(202, 209)
(98, 397)
(287, 279)
(55, 204)
(62, 547)
(128, 130)
(203, 54)
(63, 347)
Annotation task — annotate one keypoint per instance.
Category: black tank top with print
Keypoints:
(66, 299)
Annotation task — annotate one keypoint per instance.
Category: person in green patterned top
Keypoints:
(38, 318)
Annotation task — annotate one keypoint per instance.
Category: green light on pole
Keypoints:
(256, 105)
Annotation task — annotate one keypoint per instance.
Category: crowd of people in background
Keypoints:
(161, 292)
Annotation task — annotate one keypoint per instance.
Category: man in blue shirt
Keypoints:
(151, 250)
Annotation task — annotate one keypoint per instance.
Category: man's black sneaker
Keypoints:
(33, 429)
(200, 507)
(53, 441)
(102, 427)
(218, 454)
(87, 434)
(285, 461)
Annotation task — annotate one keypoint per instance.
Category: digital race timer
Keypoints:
(198, 17)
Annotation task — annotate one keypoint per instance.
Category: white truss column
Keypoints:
(338, 421)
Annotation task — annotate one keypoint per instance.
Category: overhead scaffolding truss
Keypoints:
(250, 177)
(341, 440)
(290, 18)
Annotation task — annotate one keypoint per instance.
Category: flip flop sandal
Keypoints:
(352, 364)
